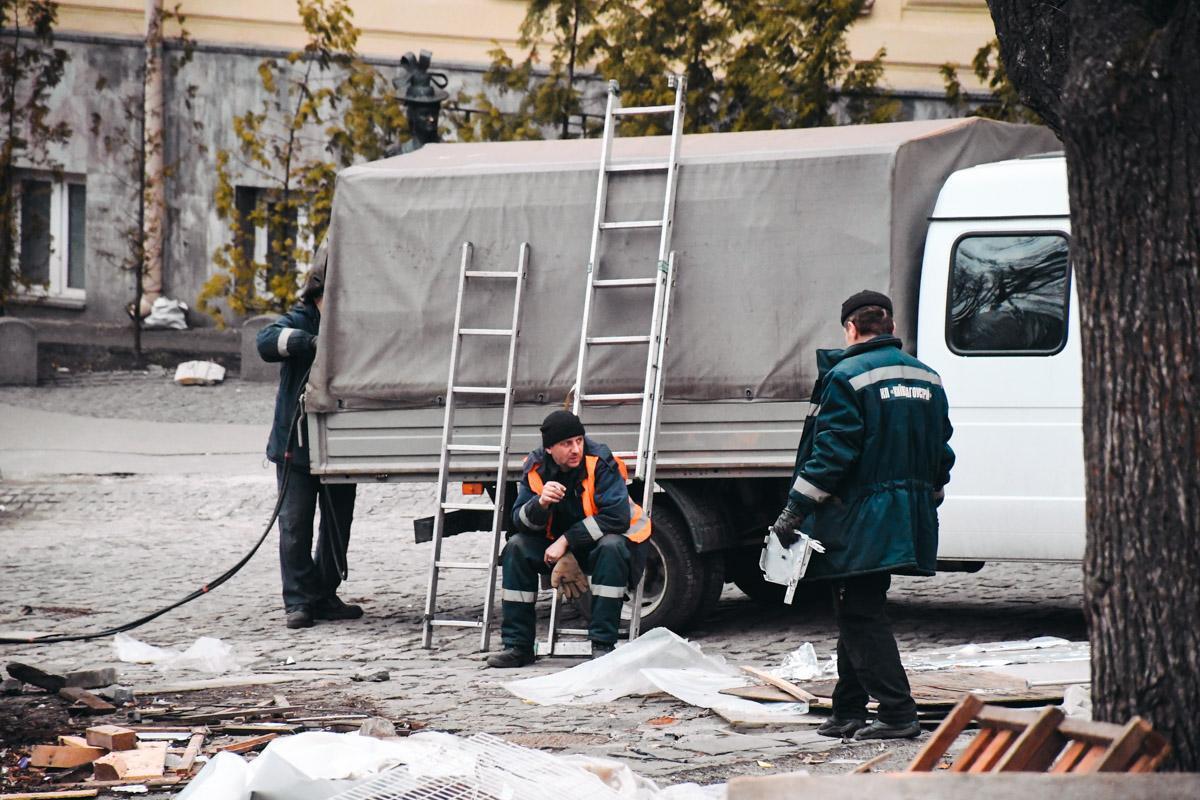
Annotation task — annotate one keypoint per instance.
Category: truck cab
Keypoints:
(998, 320)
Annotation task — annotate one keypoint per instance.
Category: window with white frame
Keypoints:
(52, 237)
(258, 237)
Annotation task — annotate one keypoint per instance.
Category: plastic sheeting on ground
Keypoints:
(333, 766)
(619, 673)
(660, 661)
(1039, 650)
(206, 654)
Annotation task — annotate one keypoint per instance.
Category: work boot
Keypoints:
(333, 608)
(888, 730)
(601, 649)
(511, 657)
(841, 728)
(300, 617)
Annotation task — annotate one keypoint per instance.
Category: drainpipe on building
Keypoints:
(154, 197)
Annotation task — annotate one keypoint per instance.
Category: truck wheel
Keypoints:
(679, 581)
(742, 565)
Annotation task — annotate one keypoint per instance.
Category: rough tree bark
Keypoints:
(1118, 81)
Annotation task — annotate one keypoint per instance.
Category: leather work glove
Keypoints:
(785, 528)
(568, 578)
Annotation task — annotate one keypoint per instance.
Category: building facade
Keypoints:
(77, 221)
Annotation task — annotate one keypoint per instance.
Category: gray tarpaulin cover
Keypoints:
(773, 230)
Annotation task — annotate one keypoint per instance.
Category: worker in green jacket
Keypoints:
(873, 460)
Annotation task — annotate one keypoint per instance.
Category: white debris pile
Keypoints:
(199, 373)
(427, 765)
(206, 654)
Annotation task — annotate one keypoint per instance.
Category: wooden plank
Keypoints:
(779, 683)
(1154, 752)
(1125, 748)
(90, 703)
(1090, 732)
(281, 701)
(761, 694)
(1011, 718)
(67, 795)
(147, 761)
(73, 741)
(63, 756)
(1070, 756)
(1035, 743)
(246, 745)
(188, 760)
(1091, 757)
(954, 724)
(997, 747)
(972, 752)
(111, 737)
(871, 762)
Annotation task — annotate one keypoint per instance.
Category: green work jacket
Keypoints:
(873, 459)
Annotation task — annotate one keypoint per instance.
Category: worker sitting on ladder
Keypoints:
(572, 510)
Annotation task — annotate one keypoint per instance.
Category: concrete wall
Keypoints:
(100, 78)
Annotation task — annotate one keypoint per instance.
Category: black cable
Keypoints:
(53, 638)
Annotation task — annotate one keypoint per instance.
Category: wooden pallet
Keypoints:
(1012, 740)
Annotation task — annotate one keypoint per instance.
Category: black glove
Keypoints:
(785, 527)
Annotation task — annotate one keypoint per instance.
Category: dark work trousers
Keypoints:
(607, 566)
(308, 580)
(867, 657)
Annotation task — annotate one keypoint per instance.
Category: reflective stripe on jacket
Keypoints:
(872, 461)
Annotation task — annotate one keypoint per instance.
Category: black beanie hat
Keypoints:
(560, 425)
(865, 298)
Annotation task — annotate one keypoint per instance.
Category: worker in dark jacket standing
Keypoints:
(572, 514)
(870, 470)
(309, 584)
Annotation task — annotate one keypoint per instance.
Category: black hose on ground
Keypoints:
(53, 638)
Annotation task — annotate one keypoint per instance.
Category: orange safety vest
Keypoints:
(639, 524)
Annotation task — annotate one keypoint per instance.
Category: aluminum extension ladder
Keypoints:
(451, 447)
(663, 282)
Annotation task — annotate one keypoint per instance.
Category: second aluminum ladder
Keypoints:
(454, 391)
(662, 282)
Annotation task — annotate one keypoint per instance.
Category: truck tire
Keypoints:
(681, 584)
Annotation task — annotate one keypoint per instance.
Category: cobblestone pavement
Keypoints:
(82, 552)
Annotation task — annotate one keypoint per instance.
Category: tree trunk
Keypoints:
(154, 197)
(1119, 82)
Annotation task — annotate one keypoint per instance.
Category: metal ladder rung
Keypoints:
(615, 283)
(468, 507)
(473, 448)
(462, 565)
(625, 454)
(479, 389)
(637, 223)
(637, 110)
(491, 273)
(645, 166)
(611, 398)
(485, 332)
(455, 623)
(618, 340)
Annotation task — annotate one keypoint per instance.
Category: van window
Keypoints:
(1008, 294)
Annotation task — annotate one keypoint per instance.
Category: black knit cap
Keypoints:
(865, 298)
(560, 425)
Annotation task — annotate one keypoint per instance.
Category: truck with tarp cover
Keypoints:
(772, 230)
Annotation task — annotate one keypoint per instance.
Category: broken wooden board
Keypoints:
(85, 702)
(246, 745)
(63, 756)
(111, 737)
(760, 693)
(792, 689)
(147, 761)
(61, 795)
(946, 687)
